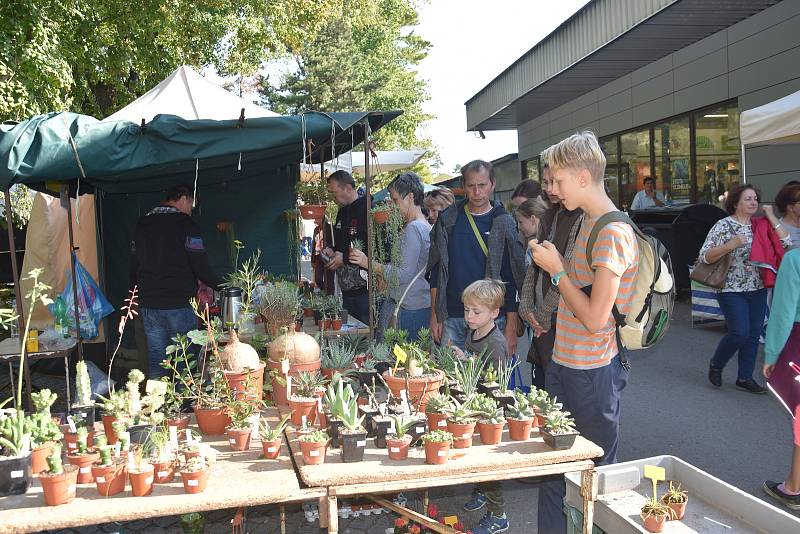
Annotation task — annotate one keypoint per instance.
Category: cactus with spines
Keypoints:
(54, 462)
(82, 439)
(83, 386)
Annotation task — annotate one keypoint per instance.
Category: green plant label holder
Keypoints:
(655, 474)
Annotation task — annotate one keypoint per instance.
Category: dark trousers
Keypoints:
(593, 398)
(744, 314)
(357, 306)
(539, 354)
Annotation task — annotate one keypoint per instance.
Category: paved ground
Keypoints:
(668, 408)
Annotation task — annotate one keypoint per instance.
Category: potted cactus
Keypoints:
(241, 428)
(59, 481)
(504, 396)
(313, 447)
(133, 412)
(271, 438)
(141, 474)
(194, 474)
(84, 404)
(559, 429)
(162, 456)
(520, 418)
(109, 473)
(461, 423)
(437, 446)
(44, 432)
(489, 382)
(490, 419)
(398, 440)
(307, 387)
(676, 499)
(436, 411)
(83, 457)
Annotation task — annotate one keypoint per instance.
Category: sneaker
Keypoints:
(790, 501)
(491, 524)
(476, 502)
(715, 376)
(751, 386)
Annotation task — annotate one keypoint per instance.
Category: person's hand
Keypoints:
(337, 262)
(768, 368)
(651, 194)
(769, 211)
(546, 256)
(528, 317)
(511, 338)
(328, 251)
(436, 329)
(538, 331)
(737, 241)
(459, 353)
(359, 258)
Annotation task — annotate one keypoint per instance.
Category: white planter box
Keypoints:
(714, 505)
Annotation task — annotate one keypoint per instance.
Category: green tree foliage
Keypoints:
(348, 67)
(96, 56)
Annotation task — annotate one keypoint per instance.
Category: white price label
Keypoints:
(361, 443)
(72, 445)
(272, 449)
(233, 441)
(17, 474)
(288, 383)
(285, 367)
(442, 423)
(173, 436)
(303, 421)
(72, 489)
(442, 454)
(192, 483)
(420, 430)
(116, 449)
(466, 435)
(394, 449)
(162, 474)
(313, 453)
(319, 404)
(100, 480)
(149, 480)
(85, 470)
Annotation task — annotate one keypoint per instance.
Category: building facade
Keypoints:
(662, 83)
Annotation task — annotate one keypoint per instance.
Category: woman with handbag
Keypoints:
(742, 296)
(782, 366)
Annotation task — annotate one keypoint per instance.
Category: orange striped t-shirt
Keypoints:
(616, 249)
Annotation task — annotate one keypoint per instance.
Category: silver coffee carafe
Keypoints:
(231, 306)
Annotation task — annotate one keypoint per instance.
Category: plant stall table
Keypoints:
(9, 352)
(237, 479)
(352, 327)
(376, 474)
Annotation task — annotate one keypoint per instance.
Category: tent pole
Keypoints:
(12, 250)
(370, 271)
(744, 173)
(72, 256)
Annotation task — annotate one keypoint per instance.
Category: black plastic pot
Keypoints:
(334, 429)
(504, 401)
(381, 428)
(419, 429)
(344, 315)
(15, 475)
(353, 445)
(368, 378)
(558, 441)
(85, 412)
(368, 412)
(140, 433)
(381, 367)
(488, 389)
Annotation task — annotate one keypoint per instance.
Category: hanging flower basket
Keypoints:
(312, 211)
(381, 217)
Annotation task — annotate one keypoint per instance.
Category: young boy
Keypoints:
(585, 372)
(482, 301)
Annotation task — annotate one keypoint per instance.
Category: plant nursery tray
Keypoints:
(237, 479)
(714, 506)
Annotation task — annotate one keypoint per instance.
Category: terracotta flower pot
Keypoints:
(491, 433)
(654, 523)
(538, 422)
(398, 447)
(272, 449)
(312, 212)
(142, 482)
(678, 510)
(313, 453)
(302, 407)
(380, 217)
(436, 452)
(39, 458)
(279, 390)
(181, 422)
(239, 438)
(308, 312)
(519, 430)
(212, 421)
(462, 434)
(84, 462)
(195, 481)
(336, 324)
(248, 386)
(428, 384)
(59, 489)
(163, 472)
(436, 421)
(110, 479)
(328, 373)
(71, 439)
(108, 428)
(298, 326)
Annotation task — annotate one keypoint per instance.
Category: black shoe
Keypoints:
(751, 386)
(790, 501)
(715, 376)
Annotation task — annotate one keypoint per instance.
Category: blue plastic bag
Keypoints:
(92, 304)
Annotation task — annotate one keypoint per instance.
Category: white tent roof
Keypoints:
(775, 123)
(187, 94)
(382, 161)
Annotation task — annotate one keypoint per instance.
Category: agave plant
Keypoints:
(338, 355)
(402, 425)
(347, 411)
(468, 372)
(505, 368)
(461, 413)
(270, 433)
(437, 403)
(307, 383)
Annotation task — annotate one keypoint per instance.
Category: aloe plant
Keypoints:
(560, 422)
(486, 407)
(307, 383)
(461, 413)
(505, 368)
(337, 395)
(269, 433)
(338, 355)
(347, 409)
(468, 372)
(402, 425)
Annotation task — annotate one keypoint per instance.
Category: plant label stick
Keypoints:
(117, 446)
(319, 404)
(288, 385)
(303, 421)
(285, 367)
(451, 520)
(656, 474)
(173, 436)
(71, 423)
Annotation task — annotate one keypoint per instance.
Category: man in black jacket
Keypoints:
(168, 257)
(350, 225)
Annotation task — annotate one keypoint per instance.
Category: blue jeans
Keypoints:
(593, 398)
(744, 313)
(413, 320)
(455, 330)
(357, 306)
(160, 326)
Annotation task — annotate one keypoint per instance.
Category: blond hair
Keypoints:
(578, 151)
(487, 292)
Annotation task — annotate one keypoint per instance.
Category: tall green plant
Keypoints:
(386, 247)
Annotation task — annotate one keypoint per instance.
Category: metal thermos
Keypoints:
(231, 306)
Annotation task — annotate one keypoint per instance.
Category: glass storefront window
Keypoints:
(609, 147)
(718, 155)
(532, 169)
(634, 164)
(671, 149)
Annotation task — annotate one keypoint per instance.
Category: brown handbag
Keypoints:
(712, 274)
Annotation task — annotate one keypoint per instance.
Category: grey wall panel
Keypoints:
(585, 115)
(702, 69)
(652, 89)
(702, 94)
(768, 94)
(654, 110)
(770, 184)
(763, 20)
(772, 159)
(615, 123)
(779, 38)
(617, 86)
(615, 103)
(701, 48)
(562, 124)
(776, 69)
(648, 72)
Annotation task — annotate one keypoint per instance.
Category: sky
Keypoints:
(473, 41)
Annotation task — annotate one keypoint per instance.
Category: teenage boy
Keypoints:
(482, 302)
(585, 372)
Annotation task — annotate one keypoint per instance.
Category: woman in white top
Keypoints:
(743, 299)
(788, 203)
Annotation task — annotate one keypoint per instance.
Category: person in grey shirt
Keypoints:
(788, 203)
(407, 194)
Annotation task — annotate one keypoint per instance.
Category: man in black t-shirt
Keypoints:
(351, 224)
(168, 257)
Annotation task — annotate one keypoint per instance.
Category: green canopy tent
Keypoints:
(244, 171)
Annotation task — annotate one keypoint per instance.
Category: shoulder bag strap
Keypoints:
(478, 236)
